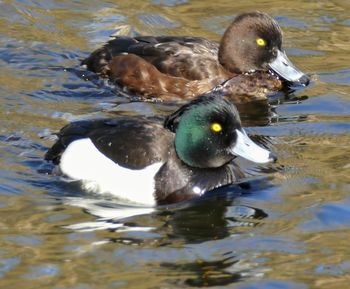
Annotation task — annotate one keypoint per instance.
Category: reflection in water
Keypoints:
(216, 215)
(110, 214)
(196, 220)
(208, 273)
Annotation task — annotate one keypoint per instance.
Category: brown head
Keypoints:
(253, 42)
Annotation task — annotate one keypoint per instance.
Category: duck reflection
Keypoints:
(208, 273)
(215, 215)
(261, 112)
(202, 231)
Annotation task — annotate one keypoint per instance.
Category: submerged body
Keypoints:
(185, 67)
(150, 162)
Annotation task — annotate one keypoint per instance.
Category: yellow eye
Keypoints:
(216, 127)
(260, 42)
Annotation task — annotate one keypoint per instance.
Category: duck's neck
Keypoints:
(226, 57)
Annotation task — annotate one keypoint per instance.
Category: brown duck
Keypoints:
(248, 62)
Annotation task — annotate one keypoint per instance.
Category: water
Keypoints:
(288, 227)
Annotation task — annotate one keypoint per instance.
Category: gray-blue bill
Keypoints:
(285, 68)
(249, 150)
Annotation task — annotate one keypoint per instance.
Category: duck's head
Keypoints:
(253, 42)
(208, 134)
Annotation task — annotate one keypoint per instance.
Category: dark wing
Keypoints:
(130, 142)
(68, 134)
(98, 60)
(193, 58)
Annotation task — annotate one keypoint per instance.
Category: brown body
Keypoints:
(183, 67)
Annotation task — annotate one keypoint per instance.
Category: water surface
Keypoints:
(287, 227)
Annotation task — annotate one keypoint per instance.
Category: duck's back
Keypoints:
(192, 58)
(130, 143)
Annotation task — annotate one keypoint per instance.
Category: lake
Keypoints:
(286, 226)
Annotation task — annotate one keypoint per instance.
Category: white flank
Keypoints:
(83, 161)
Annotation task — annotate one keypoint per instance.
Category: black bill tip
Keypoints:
(272, 157)
(304, 80)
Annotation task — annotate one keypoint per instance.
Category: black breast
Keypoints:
(175, 180)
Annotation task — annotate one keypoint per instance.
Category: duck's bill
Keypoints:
(249, 150)
(285, 69)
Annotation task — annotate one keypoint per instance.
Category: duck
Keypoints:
(247, 64)
(158, 161)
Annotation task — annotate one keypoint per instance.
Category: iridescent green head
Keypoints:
(208, 134)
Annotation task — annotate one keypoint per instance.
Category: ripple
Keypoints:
(273, 284)
(329, 216)
(6, 265)
(285, 225)
(24, 240)
(42, 271)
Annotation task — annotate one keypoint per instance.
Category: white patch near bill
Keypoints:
(83, 161)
